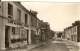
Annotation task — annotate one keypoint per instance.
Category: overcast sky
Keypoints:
(59, 15)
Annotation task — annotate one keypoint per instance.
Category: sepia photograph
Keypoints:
(39, 26)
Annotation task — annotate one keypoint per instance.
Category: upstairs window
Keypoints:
(26, 19)
(36, 23)
(18, 15)
(0, 9)
(32, 22)
(10, 10)
(0, 4)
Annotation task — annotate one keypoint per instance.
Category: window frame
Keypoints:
(10, 10)
(18, 14)
(26, 19)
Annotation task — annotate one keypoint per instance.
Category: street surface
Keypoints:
(53, 45)
(56, 45)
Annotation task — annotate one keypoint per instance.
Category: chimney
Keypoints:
(34, 12)
(19, 2)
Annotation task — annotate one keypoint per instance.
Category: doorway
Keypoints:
(27, 36)
(7, 30)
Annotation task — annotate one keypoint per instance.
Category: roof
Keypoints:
(21, 6)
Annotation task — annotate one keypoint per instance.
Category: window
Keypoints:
(26, 19)
(18, 15)
(13, 30)
(32, 22)
(10, 10)
(35, 23)
(75, 28)
(0, 4)
(35, 32)
(0, 8)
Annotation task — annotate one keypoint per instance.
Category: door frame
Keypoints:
(7, 28)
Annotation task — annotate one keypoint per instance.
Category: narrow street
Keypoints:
(56, 45)
(44, 26)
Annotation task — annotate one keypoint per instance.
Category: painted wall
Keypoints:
(1, 34)
(5, 21)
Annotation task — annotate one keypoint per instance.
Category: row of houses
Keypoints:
(19, 26)
(73, 32)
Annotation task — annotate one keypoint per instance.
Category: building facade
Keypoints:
(15, 27)
(35, 27)
(18, 26)
(72, 32)
(45, 31)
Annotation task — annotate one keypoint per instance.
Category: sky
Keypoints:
(59, 15)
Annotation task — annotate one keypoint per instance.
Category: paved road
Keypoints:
(68, 44)
(56, 45)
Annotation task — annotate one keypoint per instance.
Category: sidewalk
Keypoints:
(27, 47)
(73, 42)
(31, 46)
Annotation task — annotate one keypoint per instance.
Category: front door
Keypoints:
(7, 28)
(27, 36)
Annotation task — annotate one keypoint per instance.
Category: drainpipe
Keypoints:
(2, 24)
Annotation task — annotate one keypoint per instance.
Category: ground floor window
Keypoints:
(15, 31)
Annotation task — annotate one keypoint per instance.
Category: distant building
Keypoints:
(45, 31)
(73, 32)
(58, 34)
(52, 33)
(55, 36)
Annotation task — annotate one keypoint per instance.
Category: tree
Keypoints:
(59, 34)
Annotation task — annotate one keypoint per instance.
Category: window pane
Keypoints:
(25, 18)
(10, 9)
(19, 14)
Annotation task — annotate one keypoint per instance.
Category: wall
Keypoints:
(5, 21)
(1, 34)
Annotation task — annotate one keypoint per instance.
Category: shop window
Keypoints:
(22, 34)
